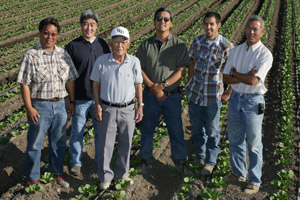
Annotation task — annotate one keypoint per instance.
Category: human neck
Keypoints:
(162, 36)
(119, 58)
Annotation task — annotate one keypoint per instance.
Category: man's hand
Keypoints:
(253, 71)
(71, 109)
(139, 114)
(33, 115)
(225, 97)
(157, 90)
(98, 112)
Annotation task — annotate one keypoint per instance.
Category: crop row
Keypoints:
(60, 17)
(283, 180)
(266, 12)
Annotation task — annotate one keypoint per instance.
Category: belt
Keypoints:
(54, 99)
(172, 92)
(118, 105)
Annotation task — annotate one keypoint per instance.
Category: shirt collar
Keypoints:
(216, 41)
(42, 51)
(111, 58)
(168, 38)
(254, 46)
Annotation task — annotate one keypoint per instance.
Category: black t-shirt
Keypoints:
(84, 55)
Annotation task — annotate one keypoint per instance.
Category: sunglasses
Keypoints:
(47, 34)
(159, 18)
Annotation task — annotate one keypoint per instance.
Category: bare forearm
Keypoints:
(146, 80)
(191, 69)
(176, 76)
(138, 93)
(246, 78)
(230, 80)
(25, 92)
(70, 87)
(96, 92)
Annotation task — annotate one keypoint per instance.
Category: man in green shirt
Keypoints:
(163, 60)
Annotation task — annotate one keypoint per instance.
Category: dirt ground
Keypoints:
(159, 181)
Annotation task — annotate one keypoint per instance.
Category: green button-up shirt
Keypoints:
(161, 63)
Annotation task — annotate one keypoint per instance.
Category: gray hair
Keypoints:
(256, 18)
(89, 14)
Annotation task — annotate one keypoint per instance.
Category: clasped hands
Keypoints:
(157, 90)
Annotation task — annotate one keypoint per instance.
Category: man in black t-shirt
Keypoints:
(84, 50)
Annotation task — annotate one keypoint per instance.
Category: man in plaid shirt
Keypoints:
(204, 89)
(46, 77)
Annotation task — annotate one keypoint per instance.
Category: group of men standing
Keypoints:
(88, 77)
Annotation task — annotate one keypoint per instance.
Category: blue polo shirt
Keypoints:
(84, 55)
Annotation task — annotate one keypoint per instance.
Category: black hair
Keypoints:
(163, 9)
(213, 14)
(47, 21)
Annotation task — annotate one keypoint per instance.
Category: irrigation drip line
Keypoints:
(11, 90)
(297, 88)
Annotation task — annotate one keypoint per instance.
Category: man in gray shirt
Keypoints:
(163, 60)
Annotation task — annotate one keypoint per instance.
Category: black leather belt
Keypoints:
(118, 105)
(172, 92)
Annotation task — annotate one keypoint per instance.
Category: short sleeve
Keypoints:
(141, 55)
(73, 74)
(264, 64)
(95, 75)
(26, 70)
(138, 72)
(182, 56)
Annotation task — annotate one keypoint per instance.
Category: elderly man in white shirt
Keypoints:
(246, 69)
(117, 82)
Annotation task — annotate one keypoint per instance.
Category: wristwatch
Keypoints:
(166, 84)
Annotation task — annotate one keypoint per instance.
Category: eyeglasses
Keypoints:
(122, 42)
(159, 18)
(47, 34)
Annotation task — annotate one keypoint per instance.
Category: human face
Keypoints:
(88, 29)
(119, 45)
(48, 36)
(162, 25)
(253, 31)
(211, 28)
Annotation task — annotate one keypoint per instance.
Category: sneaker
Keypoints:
(206, 170)
(75, 170)
(61, 181)
(231, 178)
(104, 186)
(251, 189)
(33, 182)
(182, 167)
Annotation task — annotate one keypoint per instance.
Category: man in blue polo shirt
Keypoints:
(84, 50)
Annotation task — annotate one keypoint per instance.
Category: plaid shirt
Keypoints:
(206, 85)
(46, 73)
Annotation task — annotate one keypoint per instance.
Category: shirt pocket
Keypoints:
(42, 74)
(63, 71)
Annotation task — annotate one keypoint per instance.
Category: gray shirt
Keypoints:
(117, 80)
(159, 63)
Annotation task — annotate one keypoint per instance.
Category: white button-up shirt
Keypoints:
(244, 60)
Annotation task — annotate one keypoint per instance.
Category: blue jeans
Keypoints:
(52, 120)
(171, 110)
(205, 131)
(244, 123)
(82, 107)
